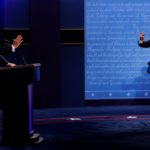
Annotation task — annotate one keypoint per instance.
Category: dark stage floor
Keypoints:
(100, 128)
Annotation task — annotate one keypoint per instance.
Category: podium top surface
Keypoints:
(21, 73)
(34, 65)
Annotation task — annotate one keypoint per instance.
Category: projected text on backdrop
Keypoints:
(115, 66)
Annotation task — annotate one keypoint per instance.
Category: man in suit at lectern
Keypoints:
(144, 44)
(8, 48)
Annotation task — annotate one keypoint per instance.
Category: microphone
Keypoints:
(6, 41)
(24, 61)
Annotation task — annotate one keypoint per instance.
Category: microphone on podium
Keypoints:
(24, 61)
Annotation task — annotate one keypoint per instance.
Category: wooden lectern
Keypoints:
(16, 97)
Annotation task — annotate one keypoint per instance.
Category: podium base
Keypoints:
(33, 139)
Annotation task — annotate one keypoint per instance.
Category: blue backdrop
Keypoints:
(115, 66)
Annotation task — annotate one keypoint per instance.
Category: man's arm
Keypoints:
(8, 48)
(3, 61)
(142, 43)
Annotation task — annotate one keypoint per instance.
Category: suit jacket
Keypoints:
(6, 48)
(145, 44)
(3, 61)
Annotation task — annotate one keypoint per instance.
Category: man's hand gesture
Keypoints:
(17, 41)
(141, 36)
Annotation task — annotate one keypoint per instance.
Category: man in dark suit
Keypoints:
(8, 48)
(142, 43)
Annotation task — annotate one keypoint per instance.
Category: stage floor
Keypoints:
(99, 127)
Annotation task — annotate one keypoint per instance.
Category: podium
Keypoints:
(16, 97)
